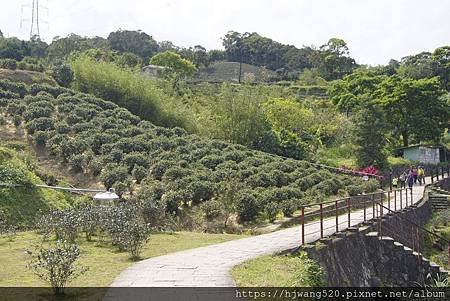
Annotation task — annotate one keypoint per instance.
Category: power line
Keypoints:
(35, 20)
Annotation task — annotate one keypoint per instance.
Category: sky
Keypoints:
(375, 30)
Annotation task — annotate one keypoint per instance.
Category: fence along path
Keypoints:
(210, 266)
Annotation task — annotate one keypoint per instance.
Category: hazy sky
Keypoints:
(375, 30)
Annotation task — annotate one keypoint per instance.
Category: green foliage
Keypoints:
(176, 66)
(131, 90)
(238, 116)
(415, 108)
(8, 64)
(136, 42)
(62, 74)
(56, 265)
(370, 128)
(174, 171)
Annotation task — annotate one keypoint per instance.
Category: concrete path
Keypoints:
(210, 266)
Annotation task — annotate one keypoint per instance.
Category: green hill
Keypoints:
(19, 199)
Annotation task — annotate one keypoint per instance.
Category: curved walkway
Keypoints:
(210, 266)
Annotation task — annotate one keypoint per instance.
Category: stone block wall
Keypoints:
(359, 257)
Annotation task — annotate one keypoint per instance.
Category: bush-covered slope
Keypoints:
(21, 203)
(176, 170)
(25, 76)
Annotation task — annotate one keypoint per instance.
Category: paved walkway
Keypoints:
(210, 266)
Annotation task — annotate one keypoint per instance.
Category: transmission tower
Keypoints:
(35, 18)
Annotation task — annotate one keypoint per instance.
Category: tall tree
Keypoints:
(442, 57)
(370, 128)
(418, 66)
(332, 59)
(347, 93)
(415, 108)
(136, 42)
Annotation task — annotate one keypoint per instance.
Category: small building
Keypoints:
(153, 71)
(422, 153)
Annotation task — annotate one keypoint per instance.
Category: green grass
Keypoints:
(21, 204)
(104, 262)
(278, 270)
(338, 156)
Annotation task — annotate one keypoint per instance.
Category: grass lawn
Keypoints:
(104, 262)
(278, 270)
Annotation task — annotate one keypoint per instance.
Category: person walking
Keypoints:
(410, 179)
(421, 175)
(402, 180)
(395, 182)
(414, 174)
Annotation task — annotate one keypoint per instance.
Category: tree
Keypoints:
(332, 59)
(442, 56)
(418, 66)
(238, 116)
(415, 108)
(370, 128)
(61, 48)
(346, 93)
(176, 66)
(137, 42)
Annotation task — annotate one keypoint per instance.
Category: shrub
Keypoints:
(89, 219)
(288, 207)
(17, 119)
(135, 235)
(113, 173)
(8, 95)
(370, 186)
(139, 173)
(135, 159)
(354, 190)
(56, 265)
(54, 91)
(40, 124)
(8, 64)
(40, 138)
(14, 87)
(212, 209)
(247, 207)
(211, 161)
(271, 210)
(149, 200)
(62, 74)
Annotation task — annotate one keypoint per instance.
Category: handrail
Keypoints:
(348, 171)
(416, 225)
(55, 187)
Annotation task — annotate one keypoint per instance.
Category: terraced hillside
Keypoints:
(171, 170)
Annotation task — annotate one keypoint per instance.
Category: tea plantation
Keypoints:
(168, 170)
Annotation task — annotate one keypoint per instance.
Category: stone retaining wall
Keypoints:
(359, 257)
